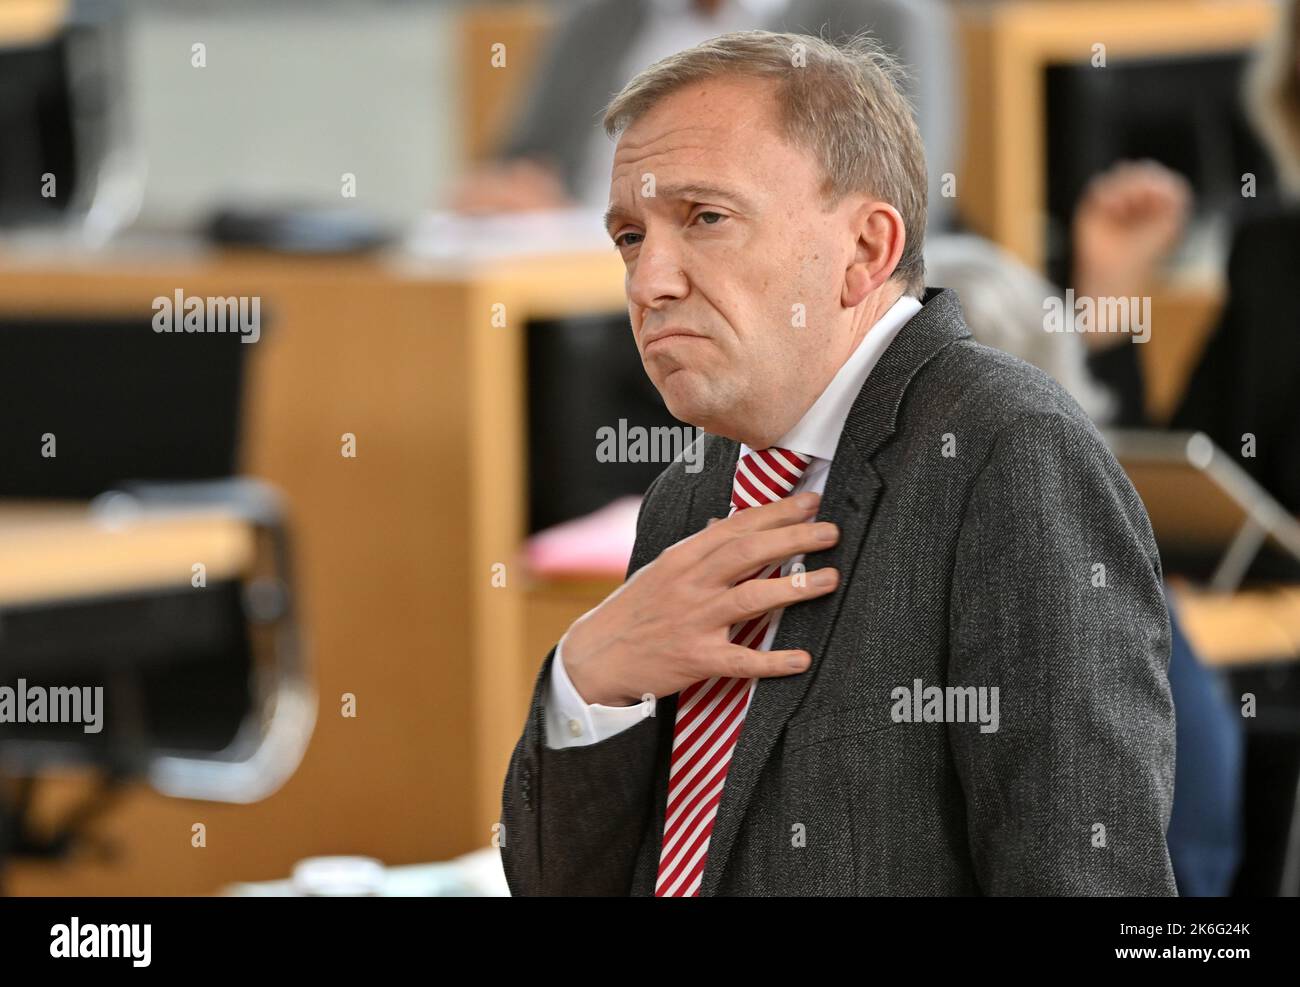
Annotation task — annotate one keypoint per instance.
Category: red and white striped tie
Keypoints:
(710, 713)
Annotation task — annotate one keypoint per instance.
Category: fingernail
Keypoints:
(823, 579)
(827, 532)
(798, 663)
(809, 500)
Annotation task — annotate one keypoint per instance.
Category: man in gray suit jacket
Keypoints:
(925, 653)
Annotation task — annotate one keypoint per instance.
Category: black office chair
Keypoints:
(208, 693)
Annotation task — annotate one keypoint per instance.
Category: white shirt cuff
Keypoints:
(573, 722)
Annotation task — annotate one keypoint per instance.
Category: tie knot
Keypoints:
(765, 475)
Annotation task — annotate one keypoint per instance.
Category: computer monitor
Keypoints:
(585, 374)
(121, 402)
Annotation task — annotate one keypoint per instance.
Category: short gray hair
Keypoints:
(842, 100)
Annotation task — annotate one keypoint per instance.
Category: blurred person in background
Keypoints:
(1003, 303)
(557, 156)
(1247, 380)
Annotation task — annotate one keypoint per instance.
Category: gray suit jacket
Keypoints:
(988, 539)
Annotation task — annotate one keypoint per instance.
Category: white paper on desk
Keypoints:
(444, 235)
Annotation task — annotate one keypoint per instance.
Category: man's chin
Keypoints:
(680, 395)
(690, 397)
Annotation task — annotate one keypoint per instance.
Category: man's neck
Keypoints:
(867, 316)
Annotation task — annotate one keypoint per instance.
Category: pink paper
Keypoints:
(599, 543)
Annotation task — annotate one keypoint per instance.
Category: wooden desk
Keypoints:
(58, 551)
(1244, 628)
(393, 549)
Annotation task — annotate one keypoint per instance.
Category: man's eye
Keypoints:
(620, 241)
(708, 212)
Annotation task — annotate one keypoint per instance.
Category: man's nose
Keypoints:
(657, 277)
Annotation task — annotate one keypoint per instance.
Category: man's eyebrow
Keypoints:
(612, 215)
(683, 190)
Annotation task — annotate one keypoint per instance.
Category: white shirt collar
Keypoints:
(817, 433)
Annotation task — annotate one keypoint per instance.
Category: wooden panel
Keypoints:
(59, 552)
(393, 549)
(546, 288)
(552, 605)
(1182, 319)
(492, 95)
(25, 22)
(379, 545)
(1243, 628)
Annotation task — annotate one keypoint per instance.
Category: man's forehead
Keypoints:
(708, 148)
(682, 149)
(705, 116)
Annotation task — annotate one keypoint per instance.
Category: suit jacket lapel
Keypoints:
(852, 489)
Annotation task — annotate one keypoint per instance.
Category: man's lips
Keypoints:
(669, 334)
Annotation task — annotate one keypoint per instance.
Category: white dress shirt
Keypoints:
(570, 720)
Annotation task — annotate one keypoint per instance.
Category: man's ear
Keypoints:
(881, 237)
